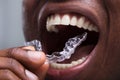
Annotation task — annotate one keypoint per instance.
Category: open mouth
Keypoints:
(60, 22)
(61, 27)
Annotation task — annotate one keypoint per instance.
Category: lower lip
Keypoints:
(58, 74)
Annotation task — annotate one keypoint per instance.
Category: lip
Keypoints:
(51, 8)
(70, 73)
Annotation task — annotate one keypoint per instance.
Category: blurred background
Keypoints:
(11, 34)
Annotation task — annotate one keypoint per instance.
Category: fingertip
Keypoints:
(42, 70)
(30, 75)
(45, 66)
(37, 58)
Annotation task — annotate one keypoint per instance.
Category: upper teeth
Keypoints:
(66, 19)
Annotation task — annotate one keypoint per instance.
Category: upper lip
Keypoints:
(52, 8)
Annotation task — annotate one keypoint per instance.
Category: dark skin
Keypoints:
(103, 65)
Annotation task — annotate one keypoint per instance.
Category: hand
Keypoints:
(22, 64)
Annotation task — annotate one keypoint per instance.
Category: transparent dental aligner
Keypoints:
(36, 44)
(68, 50)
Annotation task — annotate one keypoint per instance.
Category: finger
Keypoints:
(42, 70)
(31, 76)
(8, 75)
(32, 58)
(14, 66)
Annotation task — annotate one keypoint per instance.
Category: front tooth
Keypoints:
(80, 22)
(69, 65)
(54, 65)
(95, 29)
(50, 26)
(86, 25)
(58, 66)
(73, 21)
(84, 58)
(65, 20)
(57, 20)
(50, 21)
(74, 63)
(80, 61)
(92, 28)
(63, 66)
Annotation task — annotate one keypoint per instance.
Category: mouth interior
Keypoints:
(65, 32)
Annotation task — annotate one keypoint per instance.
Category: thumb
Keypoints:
(42, 70)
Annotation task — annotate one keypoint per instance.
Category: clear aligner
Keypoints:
(36, 44)
(68, 50)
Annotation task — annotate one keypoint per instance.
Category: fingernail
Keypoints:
(47, 61)
(31, 48)
(30, 75)
(34, 54)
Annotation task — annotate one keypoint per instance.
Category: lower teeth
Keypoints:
(68, 50)
(65, 66)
